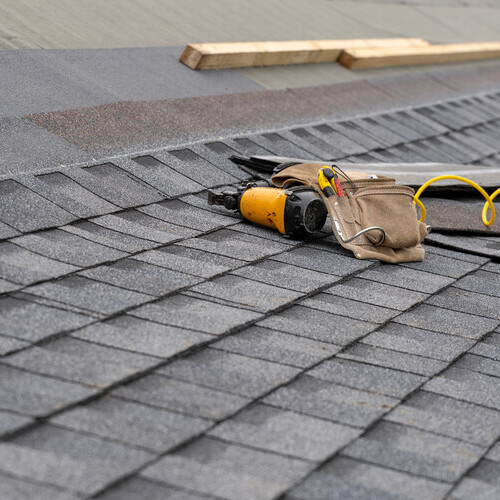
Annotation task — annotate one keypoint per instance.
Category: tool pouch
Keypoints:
(367, 202)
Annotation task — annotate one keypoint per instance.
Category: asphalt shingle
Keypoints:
(108, 237)
(30, 321)
(182, 397)
(141, 277)
(68, 459)
(276, 346)
(367, 377)
(468, 386)
(230, 372)
(154, 429)
(140, 225)
(346, 478)
(235, 244)
(12, 422)
(66, 247)
(20, 489)
(288, 276)
(350, 308)
(138, 335)
(489, 347)
(480, 282)
(25, 267)
(82, 362)
(449, 417)
(37, 395)
(318, 325)
(89, 294)
(26, 211)
(252, 294)
(391, 358)
(445, 321)
(402, 338)
(9, 344)
(479, 364)
(227, 470)
(445, 266)
(414, 451)
(320, 398)
(379, 294)
(195, 314)
(285, 432)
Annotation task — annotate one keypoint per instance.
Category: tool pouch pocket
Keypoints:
(392, 209)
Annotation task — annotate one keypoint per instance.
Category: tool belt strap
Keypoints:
(367, 202)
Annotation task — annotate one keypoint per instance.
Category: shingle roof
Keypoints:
(155, 345)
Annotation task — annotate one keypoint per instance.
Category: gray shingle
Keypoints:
(266, 233)
(318, 325)
(82, 362)
(419, 342)
(350, 308)
(487, 471)
(183, 397)
(9, 344)
(25, 267)
(131, 423)
(468, 386)
(475, 488)
(341, 141)
(235, 244)
(141, 277)
(280, 274)
(377, 129)
(182, 214)
(189, 260)
(67, 247)
(479, 364)
(138, 487)
(276, 346)
(446, 266)
(227, 470)
(195, 314)
(88, 294)
(64, 458)
(489, 347)
(145, 337)
(8, 286)
(467, 301)
(11, 422)
(378, 294)
(141, 225)
(26, 211)
(344, 478)
(30, 321)
(199, 200)
(115, 185)
(20, 489)
(194, 167)
(390, 358)
(286, 432)
(280, 146)
(414, 451)
(237, 290)
(70, 195)
(325, 262)
(218, 153)
(446, 321)
(108, 237)
(405, 277)
(493, 267)
(354, 132)
(367, 377)
(7, 231)
(449, 417)
(37, 395)
(159, 175)
(494, 453)
(398, 125)
(480, 282)
(312, 139)
(330, 401)
(230, 372)
(423, 125)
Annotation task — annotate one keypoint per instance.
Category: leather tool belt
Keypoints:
(383, 212)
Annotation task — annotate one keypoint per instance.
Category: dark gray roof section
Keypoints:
(153, 345)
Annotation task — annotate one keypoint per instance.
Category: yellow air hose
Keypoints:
(489, 198)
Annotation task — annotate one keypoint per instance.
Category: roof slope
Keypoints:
(155, 346)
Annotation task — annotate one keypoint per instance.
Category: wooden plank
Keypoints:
(361, 58)
(246, 54)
